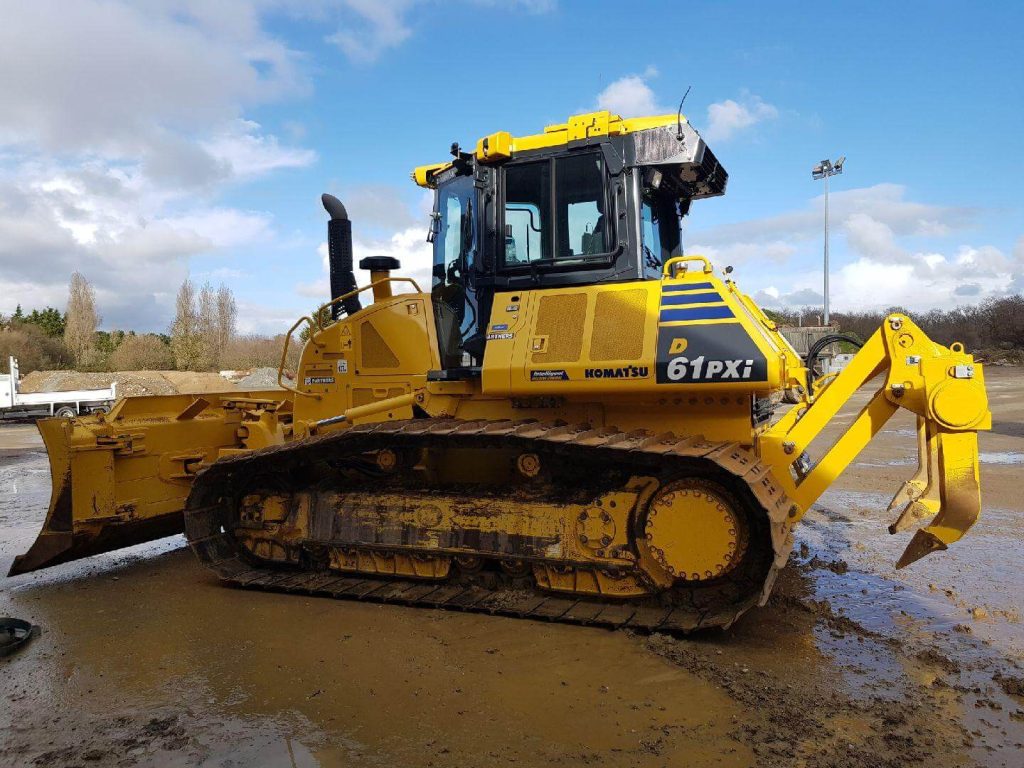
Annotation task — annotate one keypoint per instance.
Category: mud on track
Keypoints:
(146, 660)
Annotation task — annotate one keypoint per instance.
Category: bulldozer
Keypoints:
(576, 420)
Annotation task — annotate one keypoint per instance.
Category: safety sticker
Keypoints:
(549, 375)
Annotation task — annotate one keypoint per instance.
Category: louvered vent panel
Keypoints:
(619, 324)
(560, 318)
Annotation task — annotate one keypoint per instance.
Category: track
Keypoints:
(208, 520)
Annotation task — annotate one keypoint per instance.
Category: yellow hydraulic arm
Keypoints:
(943, 386)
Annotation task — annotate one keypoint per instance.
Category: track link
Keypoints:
(207, 521)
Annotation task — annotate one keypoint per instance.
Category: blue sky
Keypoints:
(144, 142)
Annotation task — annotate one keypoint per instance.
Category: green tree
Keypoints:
(323, 321)
(51, 320)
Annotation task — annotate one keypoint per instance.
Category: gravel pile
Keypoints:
(258, 378)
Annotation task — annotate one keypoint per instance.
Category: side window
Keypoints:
(452, 218)
(580, 206)
(651, 246)
(573, 228)
(527, 213)
(659, 231)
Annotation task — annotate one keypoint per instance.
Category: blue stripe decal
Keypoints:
(687, 287)
(690, 298)
(695, 313)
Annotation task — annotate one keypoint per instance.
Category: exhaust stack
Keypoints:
(339, 254)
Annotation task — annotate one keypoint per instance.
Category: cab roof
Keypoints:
(496, 147)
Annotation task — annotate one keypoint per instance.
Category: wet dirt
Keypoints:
(146, 660)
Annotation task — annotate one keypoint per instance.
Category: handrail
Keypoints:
(284, 356)
(367, 287)
(667, 270)
(315, 327)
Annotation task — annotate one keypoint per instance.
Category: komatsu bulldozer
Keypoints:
(575, 421)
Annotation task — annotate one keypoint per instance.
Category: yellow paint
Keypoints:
(584, 354)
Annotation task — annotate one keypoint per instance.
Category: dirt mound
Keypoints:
(129, 383)
(136, 383)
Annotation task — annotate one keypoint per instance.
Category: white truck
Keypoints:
(67, 404)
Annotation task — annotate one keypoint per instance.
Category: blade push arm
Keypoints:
(943, 386)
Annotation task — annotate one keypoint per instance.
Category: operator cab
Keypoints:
(598, 199)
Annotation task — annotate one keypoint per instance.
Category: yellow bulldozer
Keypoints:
(576, 421)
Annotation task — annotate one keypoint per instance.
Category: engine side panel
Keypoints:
(665, 338)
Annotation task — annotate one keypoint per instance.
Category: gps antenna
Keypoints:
(679, 115)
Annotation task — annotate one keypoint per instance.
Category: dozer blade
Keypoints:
(949, 461)
(63, 538)
(122, 478)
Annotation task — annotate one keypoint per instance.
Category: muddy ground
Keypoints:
(146, 660)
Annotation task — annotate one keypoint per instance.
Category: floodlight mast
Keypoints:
(824, 170)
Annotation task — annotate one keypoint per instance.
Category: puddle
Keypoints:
(926, 611)
(1001, 457)
(984, 457)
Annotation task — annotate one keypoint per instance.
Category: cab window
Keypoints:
(563, 227)
(659, 232)
(527, 213)
(650, 231)
(579, 206)
(453, 290)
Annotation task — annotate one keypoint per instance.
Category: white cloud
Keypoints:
(884, 203)
(630, 96)
(249, 153)
(370, 28)
(111, 151)
(918, 281)
(224, 227)
(874, 265)
(409, 246)
(729, 117)
(742, 252)
(115, 78)
(373, 27)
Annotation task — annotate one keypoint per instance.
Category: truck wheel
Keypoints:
(65, 412)
(101, 409)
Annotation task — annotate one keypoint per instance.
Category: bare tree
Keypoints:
(186, 340)
(208, 326)
(80, 327)
(227, 317)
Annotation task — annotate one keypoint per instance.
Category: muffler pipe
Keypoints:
(339, 256)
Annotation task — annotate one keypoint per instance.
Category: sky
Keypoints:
(146, 141)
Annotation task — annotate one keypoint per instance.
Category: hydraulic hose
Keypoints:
(817, 347)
